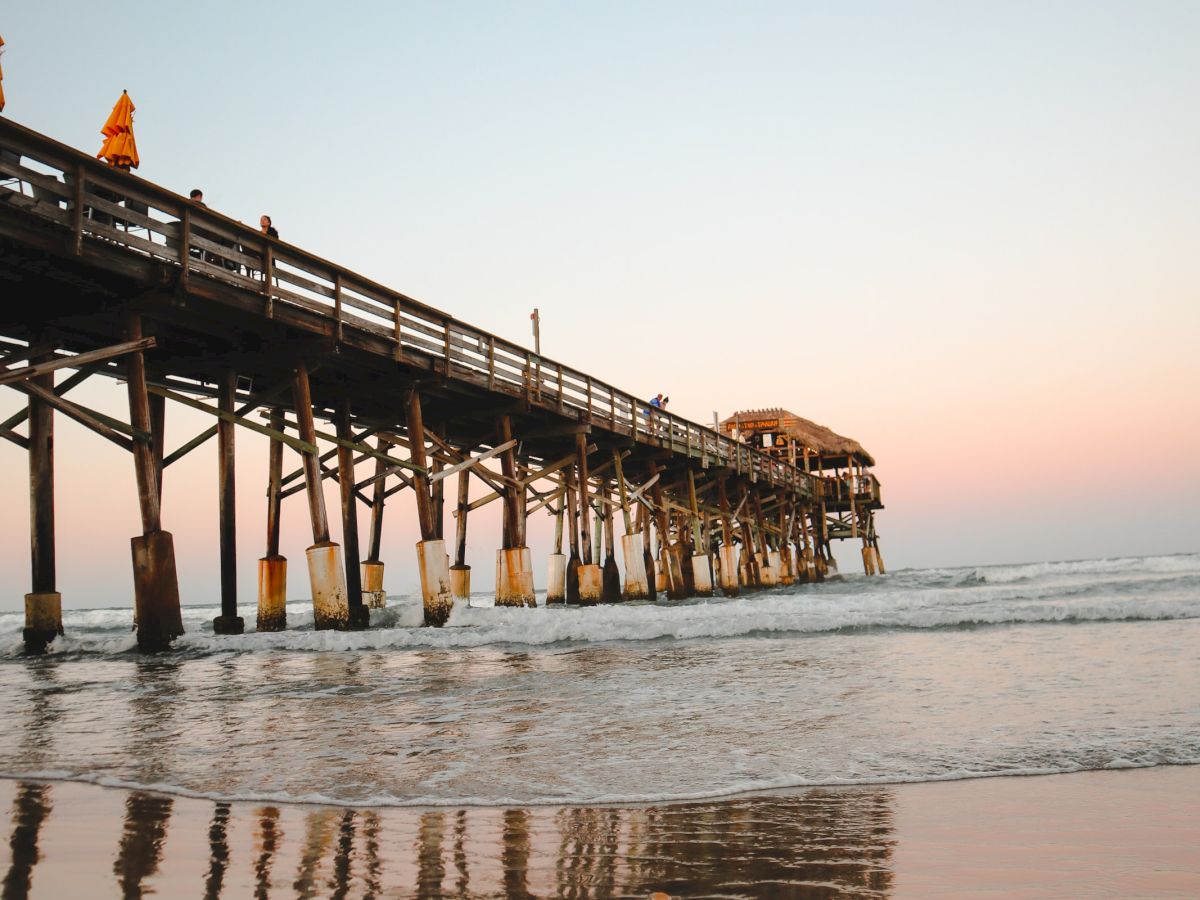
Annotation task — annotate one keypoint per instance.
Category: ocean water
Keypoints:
(921, 675)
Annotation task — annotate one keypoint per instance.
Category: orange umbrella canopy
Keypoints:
(120, 149)
(1, 79)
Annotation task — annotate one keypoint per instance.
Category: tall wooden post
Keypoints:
(573, 562)
(675, 588)
(228, 622)
(460, 572)
(728, 555)
(636, 587)
(612, 574)
(326, 573)
(158, 421)
(359, 615)
(431, 552)
(43, 604)
(591, 575)
(514, 562)
(556, 569)
(155, 582)
(272, 568)
(585, 521)
(439, 499)
(372, 568)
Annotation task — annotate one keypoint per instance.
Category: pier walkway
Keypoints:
(107, 274)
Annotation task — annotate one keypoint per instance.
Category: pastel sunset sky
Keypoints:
(965, 234)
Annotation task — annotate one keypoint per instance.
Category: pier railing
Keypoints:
(95, 203)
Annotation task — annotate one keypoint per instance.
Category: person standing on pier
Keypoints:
(264, 225)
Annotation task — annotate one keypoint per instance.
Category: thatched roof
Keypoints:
(833, 447)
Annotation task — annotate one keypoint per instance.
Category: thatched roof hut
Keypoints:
(834, 449)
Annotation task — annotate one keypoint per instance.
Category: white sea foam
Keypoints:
(1095, 591)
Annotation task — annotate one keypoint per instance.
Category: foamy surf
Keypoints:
(1095, 591)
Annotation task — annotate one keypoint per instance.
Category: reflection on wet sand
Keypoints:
(817, 843)
(140, 850)
(30, 809)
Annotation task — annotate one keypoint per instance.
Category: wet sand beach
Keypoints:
(1090, 834)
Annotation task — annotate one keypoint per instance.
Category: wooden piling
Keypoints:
(272, 568)
(326, 572)
(359, 616)
(431, 552)
(43, 604)
(156, 584)
(460, 572)
(514, 585)
(228, 622)
(611, 592)
(372, 568)
(573, 561)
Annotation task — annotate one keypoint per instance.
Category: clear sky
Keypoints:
(965, 234)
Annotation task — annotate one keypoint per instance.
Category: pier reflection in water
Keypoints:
(810, 844)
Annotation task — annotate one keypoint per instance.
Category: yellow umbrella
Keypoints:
(120, 149)
(1, 80)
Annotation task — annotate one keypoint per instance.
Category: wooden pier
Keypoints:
(106, 274)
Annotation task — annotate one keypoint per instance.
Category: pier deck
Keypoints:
(108, 274)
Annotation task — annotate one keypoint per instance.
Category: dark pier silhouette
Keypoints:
(107, 274)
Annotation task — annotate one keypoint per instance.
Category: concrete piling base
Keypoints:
(327, 577)
(868, 558)
(155, 591)
(636, 585)
(775, 558)
(272, 593)
(460, 584)
(768, 570)
(729, 570)
(879, 562)
(612, 581)
(434, 567)
(373, 594)
(591, 584)
(660, 577)
(514, 580)
(702, 575)
(527, 588)
(787, 568)
(556, 579)
(43, 620)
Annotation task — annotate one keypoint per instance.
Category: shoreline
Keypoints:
(1130, 832)
(391, 803)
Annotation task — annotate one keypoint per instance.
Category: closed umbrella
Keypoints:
(120, 149)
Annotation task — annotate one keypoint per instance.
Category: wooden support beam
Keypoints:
(302, 401)
(329, 454)
(227, 496)
(139, 418)
(76, 379)
(274, 475)
(41, 490)
(514, 494)
(359, 615)
(73, 362)
(261, 400)
(585, 521)
(18, 439)
(377, 498)
(620, 472)
(471, 461)
(416, 437)
(103, 425)
(460, 528)
(298, 444)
